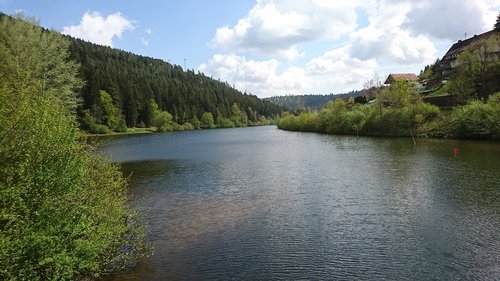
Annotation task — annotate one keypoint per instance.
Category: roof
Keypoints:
(401, 76)
(461, 45)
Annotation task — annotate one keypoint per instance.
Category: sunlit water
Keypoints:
(265, 204)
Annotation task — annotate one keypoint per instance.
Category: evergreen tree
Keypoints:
(496, 27)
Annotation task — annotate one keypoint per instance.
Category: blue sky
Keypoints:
(274, 47)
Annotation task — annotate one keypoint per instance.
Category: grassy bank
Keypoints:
(130, 131)
(410, 118)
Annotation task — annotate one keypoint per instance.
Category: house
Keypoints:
(408, 77)
(488, 44)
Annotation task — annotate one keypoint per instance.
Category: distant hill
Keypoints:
(310, 101)
(134, 80)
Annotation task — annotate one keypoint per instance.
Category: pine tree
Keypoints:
(496, 27)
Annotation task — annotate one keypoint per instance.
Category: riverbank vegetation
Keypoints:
(63, 210)
(120, 88)
(400, 111)
(313, 102)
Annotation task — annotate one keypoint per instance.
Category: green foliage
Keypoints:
(478, 119)
(196, 123)
(163, 122)
(399, 94)
(99, 129)
(474, 120)
(340, 117)
(263, 121)
(120, 127)
(207, 121)
(177, 127)
(50, 70)
(332, 117)
(239, 118)
(63, 209)
(112, 117)
(463, 82)
(188, 126)
(288, 122)
(429, 70)
(155, 110)
(313, 102)
(133, 81)
(226, 123)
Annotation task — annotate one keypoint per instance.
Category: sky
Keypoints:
(274, 47)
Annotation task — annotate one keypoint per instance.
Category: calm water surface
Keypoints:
(265, 204)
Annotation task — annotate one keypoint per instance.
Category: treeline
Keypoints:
(400, 111)
(314, 102)
(133, 81)
(64, 211)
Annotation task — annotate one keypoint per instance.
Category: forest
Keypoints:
(314, 102)
(136, 84)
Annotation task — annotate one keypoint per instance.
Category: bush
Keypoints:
(226, 123)
(163, 122)
(99, 129)
(177, 127)
(475, 120)
(121, 126)
(288, 122)
(494, 119)
(188, 126)
(207, 121)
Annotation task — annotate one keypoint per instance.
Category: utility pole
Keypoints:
(185, 69)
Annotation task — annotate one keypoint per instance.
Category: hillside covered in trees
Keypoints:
(135, 82)
(313, 102)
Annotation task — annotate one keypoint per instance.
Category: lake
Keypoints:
(264, 204)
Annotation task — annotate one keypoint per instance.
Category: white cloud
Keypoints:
(256, 77)
(332, 72)
(275, 27)
(338, 70)
(144, 42)
(394, 35)
(449, 19)
(95, 28)
(148, 31)
(384, 38)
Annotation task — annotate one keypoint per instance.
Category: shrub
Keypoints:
(163, 122)
(121, 126)
(188, 126)
(177, 127)
(99, 129)
(474, 120)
